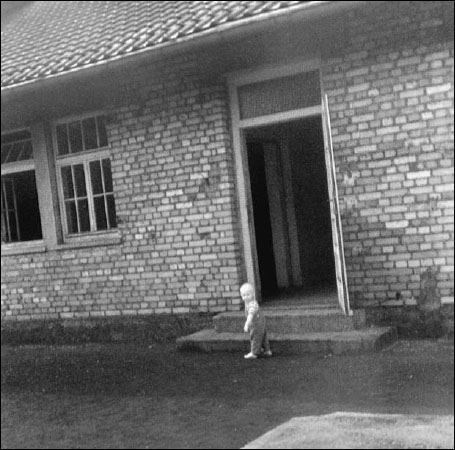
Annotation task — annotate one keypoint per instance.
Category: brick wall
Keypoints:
(391, 103)
(390, 88)
(174, 189)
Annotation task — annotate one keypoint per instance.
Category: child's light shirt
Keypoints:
(252, 309)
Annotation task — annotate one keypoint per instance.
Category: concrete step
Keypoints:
(354, 341)
(291, 321)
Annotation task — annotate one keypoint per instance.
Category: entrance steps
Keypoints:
(318, 329)
(294, 321)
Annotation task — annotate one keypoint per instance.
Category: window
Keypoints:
(279, 95)
(85, 176)
(19, 197)
(81, 135)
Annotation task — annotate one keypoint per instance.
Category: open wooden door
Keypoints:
(255, 278)
(337, 234)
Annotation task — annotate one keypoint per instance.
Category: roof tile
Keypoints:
(50, 38)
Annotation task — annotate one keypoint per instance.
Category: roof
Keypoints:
(44, 39)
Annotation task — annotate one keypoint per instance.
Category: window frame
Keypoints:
(84, 157)
(16, 167)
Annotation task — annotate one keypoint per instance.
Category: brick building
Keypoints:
(155, 155)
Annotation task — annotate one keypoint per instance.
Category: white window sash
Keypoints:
(85, 160)
(18, 166)
(79, 118)
(7, 208)
(83, 157)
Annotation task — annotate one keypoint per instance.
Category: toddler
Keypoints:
(255, 323)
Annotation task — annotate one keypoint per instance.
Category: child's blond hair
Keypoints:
(247, 287)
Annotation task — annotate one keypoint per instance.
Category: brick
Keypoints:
(439, 89)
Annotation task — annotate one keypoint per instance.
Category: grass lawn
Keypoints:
(141, 396)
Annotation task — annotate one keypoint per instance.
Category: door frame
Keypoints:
(239, 128)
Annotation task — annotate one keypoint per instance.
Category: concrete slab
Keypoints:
(360, 431)
(368, 339)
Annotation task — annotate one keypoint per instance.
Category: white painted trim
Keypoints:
(93, 240)
(17, 167)
(18, 140)
(15, 130)
(83, 158)
(337, 232)
(238, 145)
(270, 72)
(235, 80)
(45, 182)
(90, 239)
(20, 248)
(280, 117)
(89, 155)
(77, 117)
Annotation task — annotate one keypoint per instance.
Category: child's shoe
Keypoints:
(268, 353)
(250, 356)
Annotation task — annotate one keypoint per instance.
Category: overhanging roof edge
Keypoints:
(219, 33)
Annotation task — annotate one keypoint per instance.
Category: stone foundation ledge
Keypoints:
(411, 322)
(153, 328)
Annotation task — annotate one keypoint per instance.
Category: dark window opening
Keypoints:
(20, 210)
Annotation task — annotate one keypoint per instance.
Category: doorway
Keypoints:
(291, 209)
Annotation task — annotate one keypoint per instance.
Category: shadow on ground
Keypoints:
(130, 396)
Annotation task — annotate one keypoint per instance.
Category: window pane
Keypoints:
(84, 218)
(107, 175)
(102, 134)
(13, 227)
(111, 211)
(9, 191)
(3, 197)
(71, 217)
(5, 227)
(100, 213)
(67, 180)
(5, 151)
(14, 152)
(79, 179)
(75, 135)
(279, 95)
(5, 237)
(27, 151)
(21, 151)
(90, 139)
(62, 139)
(95, 173)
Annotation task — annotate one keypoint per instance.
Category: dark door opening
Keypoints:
(305, 209)
(261, 213)
(312, 207)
